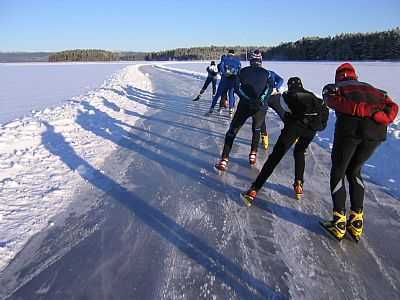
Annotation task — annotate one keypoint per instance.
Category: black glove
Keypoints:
(330, 90)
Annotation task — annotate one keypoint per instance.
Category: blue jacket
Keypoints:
(230, 66)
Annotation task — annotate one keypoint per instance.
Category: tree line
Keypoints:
(349, 46)
(84, 55)
(383, 45)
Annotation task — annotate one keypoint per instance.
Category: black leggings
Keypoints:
(209, 80)
(243, 112)
(348, 157)
(264, 128)
(288, 136)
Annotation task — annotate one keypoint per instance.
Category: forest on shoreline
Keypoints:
(384, 45)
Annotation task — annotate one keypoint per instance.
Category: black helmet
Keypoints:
(213, 63)
(294, 83)
(231, 51)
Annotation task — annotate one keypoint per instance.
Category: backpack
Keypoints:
(231, 70)
(310, 110)
(232, 67)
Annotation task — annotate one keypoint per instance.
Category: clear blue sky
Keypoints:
(52, 25)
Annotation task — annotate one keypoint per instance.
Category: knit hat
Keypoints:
(256, 58)
(345, 72)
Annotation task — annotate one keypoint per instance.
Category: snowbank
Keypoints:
(36, 185)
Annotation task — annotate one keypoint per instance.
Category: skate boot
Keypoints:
(298, 189)
(336, 227)
(355, 224)
(265, 141)
(210, 111)
(197, 98)
(222, 165)
(252, 158)
(249, 196)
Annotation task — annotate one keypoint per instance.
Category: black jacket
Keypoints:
(305, 109)
(255, 85)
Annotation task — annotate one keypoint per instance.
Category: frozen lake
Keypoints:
(315, 75)
(34, 86)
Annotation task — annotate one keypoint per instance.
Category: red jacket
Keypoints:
(360, 99)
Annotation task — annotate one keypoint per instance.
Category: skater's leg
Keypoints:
(231, 96)
(240, 117)
(220, 90)
(353, 173)
(342, 153)
(299, 157)
(206, 84)
(285, 141)
(258, 122)
(214, 85)
(264, 127)
(224, 100)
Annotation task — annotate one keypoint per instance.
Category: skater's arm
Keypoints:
(383, 113)
(278, 81)
(237, 88)
(269, 88)
(388, 114)
(334, 100)
(343, 105)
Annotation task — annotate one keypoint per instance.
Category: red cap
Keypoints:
(345, 72)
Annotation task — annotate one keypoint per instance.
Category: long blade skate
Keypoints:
(247, 200)
(331, 229)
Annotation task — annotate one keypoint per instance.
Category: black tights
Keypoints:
(288, 136)
(348, 157)
(243, 112)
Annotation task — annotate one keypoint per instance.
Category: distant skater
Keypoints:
(305, 115)
(212, 74)
(363, 113)
(223, 103)
(230, 67)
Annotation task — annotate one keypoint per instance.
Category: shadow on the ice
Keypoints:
(175, 104)
(307, 221)
(242, 282)
(170, 103)
(110, 105)
(162, 102)
(143, 142)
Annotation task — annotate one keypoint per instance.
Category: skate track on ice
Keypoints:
(169, 227)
